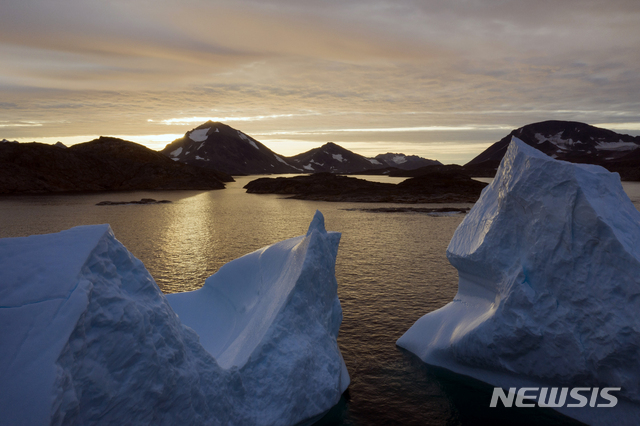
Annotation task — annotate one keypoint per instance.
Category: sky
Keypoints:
(442, 79)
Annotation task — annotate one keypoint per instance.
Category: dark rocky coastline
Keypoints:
(142, 201)
(435, 187)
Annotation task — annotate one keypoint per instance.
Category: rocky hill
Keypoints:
(436, 187)
(104, 164)
(569, 141)
(218, 146)
(332, 158)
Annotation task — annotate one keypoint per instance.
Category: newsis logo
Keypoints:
(555, 397)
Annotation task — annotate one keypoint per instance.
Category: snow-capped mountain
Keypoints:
(405, 162)
(333, 158)
(565, 140)
(218, 146)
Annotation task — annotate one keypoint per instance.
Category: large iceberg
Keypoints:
(86, 335)
(549, 285)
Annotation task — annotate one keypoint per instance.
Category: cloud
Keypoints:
(85, 67)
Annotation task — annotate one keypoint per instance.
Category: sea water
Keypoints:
(391, 270)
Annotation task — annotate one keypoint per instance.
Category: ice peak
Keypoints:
(317, 224)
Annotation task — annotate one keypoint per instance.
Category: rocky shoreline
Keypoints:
(434, 187)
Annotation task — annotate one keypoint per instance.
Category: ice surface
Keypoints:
(549, 285)
(87, 337)
(199, 135)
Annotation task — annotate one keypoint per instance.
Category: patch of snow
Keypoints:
(548, 262)
(201, 145)
(280, 159)
(175, 159)
(556, 140)
(175, 153)
(247, 139)
(199, 158)
(308, 167)
(399, 159)
(315, 162)
(616, 146)
(374, 161)
(338, 157)
(88, 337)
(217, 131)
(199, 135)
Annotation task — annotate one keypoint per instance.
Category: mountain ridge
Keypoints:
(571, 141)
(104, 164)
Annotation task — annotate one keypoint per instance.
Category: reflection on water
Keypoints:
(391, 270)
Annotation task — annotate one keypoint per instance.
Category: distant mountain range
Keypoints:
(569, 141)
(208, 155)
(221, 147)
(104, 164)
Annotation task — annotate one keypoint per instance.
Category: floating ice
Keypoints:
(549, 285)
(87, 337)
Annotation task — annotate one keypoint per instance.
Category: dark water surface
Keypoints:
(391, 270)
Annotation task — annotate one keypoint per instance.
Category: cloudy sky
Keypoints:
(438, 78)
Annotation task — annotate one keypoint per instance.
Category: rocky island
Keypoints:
(441, 186)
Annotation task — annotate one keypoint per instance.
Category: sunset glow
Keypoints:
(425, 74)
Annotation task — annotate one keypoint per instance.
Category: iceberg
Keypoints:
(549, 286)
(86, 335)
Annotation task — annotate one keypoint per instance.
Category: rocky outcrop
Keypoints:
(105, 164)
(429, 188)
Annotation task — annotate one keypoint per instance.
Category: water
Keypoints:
(391, 270)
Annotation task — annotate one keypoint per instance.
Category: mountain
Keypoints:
(221, 147)
(332, 158)
(104, 164)
(405, 162)
(569, 141)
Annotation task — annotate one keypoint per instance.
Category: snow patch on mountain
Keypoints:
(557, 140)
(399, 159)
(175, 153)
(199, 135)
(338, 157)
(616, 146)
(247, 139)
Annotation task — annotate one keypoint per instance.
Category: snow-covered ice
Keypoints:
(549, 285)
(86, 335)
